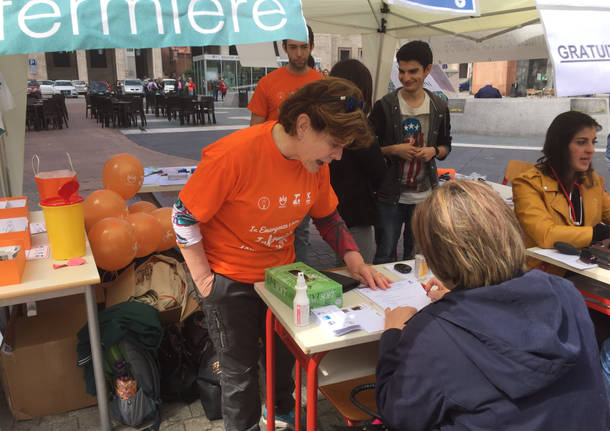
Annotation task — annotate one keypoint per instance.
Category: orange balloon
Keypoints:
(124, 174)
(101, 204)
(113, 243)
(148, 232)
(141, 206)
(168, 237)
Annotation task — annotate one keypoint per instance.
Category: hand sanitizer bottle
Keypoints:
(300, 305)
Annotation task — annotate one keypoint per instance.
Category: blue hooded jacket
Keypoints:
(520, 355)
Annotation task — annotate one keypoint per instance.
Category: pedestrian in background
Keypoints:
(215, 89)
(190, 85)
(222, 87)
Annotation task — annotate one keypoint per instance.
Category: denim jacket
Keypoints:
(387, 122)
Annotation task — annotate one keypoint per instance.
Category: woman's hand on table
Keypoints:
(397, 317)
(435, 289)
(365, 273)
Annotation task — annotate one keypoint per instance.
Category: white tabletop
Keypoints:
(39, 277)
(505, 192)
(312, 338)
(597, 273)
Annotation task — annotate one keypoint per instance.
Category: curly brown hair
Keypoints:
(329, 116)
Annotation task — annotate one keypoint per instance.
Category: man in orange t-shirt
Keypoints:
(273, 88)
(237, 214)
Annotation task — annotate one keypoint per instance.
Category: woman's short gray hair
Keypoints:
(469, 236)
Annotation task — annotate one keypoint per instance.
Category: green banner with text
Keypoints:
(28, 26)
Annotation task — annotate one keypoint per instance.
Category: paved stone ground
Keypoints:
(90, 146)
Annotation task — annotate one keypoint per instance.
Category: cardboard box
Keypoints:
(14, 207)
(12, 269)
(123, 288)
(40, 376)
(321, 290)
(16, 229)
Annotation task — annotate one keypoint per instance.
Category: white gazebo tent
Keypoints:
(383, 24)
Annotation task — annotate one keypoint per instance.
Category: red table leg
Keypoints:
(270, 370)
(309, 363)
(297, 397)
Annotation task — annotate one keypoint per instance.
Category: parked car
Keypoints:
(46, 88)
(81, 86)
(131, 86)
(33, 87)
(98, 87)
(65, 87)
(169, 85)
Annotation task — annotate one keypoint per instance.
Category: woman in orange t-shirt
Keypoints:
(237, 214)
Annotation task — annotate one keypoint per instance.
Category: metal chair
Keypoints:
(207, 107)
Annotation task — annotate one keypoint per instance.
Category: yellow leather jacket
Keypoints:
(544, 214)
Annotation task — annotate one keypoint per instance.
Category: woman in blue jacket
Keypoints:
(502, 349)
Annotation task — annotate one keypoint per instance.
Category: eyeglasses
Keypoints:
(351, 103)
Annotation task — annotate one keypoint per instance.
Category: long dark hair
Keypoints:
(556, 154)
(356, 72)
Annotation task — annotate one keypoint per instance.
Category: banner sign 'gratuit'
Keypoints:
(28, 26)
(459, 7)
(578, 40)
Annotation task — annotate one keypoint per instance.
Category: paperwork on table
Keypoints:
(568, 259)
(154, 176)
(408, 292)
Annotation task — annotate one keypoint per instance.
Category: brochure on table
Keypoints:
(174, 175)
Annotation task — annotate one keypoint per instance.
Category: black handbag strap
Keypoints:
(358, 389)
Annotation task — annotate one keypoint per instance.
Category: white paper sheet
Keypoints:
(408, 292)
(37, 228)
(16, 224)
(164, 181)
(340, 321)
(40, 252)
(18, 203)
(568, 259)
(151, 180)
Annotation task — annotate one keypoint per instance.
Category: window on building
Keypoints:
(196, 50)
(97, 58)
(360, 54)
(463, 71)
(211, 49)
(61, 59)
(232, 50)
(345, 53)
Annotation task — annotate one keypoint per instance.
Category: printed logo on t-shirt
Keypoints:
(297, 200)
(308, 198)
(264, 203)
(283, 200)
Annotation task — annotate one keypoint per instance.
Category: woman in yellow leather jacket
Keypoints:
(562, 198)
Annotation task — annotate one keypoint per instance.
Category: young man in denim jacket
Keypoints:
(413, 128)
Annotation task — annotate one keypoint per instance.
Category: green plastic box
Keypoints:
(321, 290)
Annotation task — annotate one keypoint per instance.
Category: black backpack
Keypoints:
(127, 360)
(189, 365)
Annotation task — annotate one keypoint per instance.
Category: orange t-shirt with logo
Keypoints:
(249, 199)
(274, 88)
